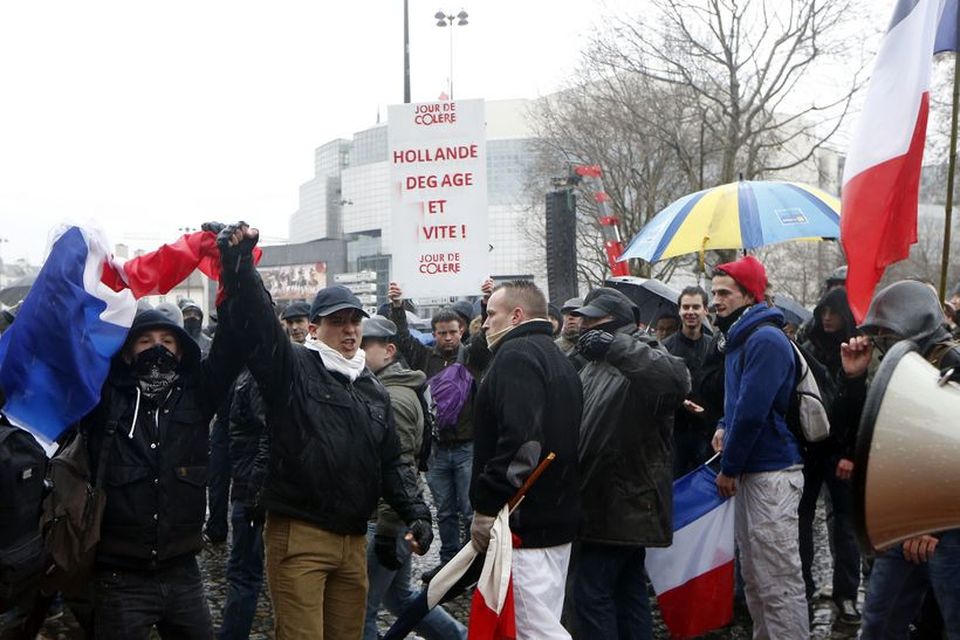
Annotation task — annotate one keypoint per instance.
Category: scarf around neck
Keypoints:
(334, 361)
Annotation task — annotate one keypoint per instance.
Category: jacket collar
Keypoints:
(529, 328)
(753, 317)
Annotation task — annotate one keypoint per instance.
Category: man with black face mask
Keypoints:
(150, 430)
(193, 324)
(631, 389)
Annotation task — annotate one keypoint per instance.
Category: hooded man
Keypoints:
(761, 462)
(832, 325)
(334, 452)
(388, 553)
(631, 389)
(150, 430)
(528, 406)
(193, 324)
(901, 575)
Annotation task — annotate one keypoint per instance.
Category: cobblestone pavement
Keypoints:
(213, 566)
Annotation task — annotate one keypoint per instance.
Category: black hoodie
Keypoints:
(826, 346)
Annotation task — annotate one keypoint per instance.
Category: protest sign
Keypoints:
(438, 178)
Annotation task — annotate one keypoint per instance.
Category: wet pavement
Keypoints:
(213, 561)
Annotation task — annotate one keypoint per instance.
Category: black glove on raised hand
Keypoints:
(422, 534)
(232, 257)
(594, 344)
(215, 227)
(385, 548)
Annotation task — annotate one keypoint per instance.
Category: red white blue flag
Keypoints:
(55, 358)
(881, 177)
(693, 577)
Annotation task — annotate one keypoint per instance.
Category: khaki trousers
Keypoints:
(767, 531)
(317, 580)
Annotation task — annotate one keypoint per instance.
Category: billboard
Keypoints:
(438, 175)
(294, 282)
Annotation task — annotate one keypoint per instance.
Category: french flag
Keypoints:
(492, 614)
(693, 578)
(881, 177)
(55, 357)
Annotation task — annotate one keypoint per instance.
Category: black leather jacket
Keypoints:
(333, 443)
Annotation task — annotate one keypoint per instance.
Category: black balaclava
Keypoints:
(155, 370)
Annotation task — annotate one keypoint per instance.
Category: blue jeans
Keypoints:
(392, 589)
(449, 479)
(610, 593)
(218, 490)
(128, 604)
(817, 471)
(244, 574)
(897, 587)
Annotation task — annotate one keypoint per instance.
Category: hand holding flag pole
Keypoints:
(459, 574)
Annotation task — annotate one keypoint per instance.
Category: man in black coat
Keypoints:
(528, 405)
(151, 431)
(631, 389)
(333, 451)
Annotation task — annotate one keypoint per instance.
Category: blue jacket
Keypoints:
(760, 378)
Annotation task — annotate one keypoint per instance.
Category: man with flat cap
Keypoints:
(296, 321)
(570, 332)
(631, 389)
(333, 451)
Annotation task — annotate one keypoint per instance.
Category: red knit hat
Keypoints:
(749, 274)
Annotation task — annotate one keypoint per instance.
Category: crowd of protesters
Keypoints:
(322, 426)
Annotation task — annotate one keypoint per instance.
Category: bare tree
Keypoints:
(744, 61)
(694, 93)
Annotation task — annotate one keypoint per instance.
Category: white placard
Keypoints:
(438, 180)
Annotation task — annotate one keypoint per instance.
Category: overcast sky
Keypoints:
(152, 116)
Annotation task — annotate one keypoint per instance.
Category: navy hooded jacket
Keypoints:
(760, 379)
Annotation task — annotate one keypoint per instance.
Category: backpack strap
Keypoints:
(116, 410)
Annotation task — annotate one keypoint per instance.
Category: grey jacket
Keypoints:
(626, 442)
(402, 384)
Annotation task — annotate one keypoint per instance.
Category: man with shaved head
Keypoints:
(528, 406)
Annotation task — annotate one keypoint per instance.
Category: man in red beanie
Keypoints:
(761, 462)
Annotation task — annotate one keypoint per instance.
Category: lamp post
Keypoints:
(447, 20)
(186, 230)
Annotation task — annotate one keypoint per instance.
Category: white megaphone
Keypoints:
(906, 473)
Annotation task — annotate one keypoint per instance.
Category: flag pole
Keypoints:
(951, 168)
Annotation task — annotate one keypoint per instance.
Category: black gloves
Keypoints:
(422, 534)
(594, 344)
(232, 257)
(385, 548)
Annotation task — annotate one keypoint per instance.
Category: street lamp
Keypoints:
(447, 20)
(186, 230)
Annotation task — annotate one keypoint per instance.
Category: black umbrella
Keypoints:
(17, 290)
(652, 297)
(793, 312)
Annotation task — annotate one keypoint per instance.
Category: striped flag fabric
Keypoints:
(492, 615)
(881, 177)
(459, 574)
(55, 358)
(693, 578)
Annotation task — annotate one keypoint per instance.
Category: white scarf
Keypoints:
(334, 361)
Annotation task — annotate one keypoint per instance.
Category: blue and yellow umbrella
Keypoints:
(739, 215)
